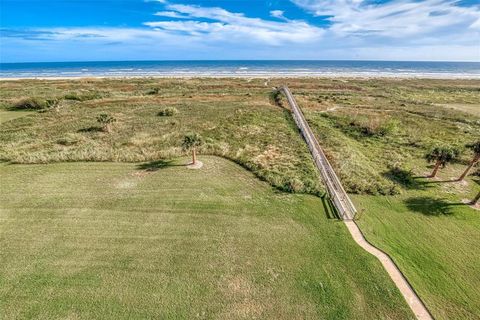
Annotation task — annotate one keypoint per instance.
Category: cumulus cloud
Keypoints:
(230, 26)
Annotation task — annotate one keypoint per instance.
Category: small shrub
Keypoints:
(52, 103)
(390, 127)
(276, 97)
(70, 140)
(401, 176)
(168, 112)
(72, 96)
(294, 185)
(106, 121)
(153, 91)
(369, 126)
(84, 96)
(30, 104)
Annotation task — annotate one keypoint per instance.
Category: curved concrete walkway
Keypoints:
(398, 278)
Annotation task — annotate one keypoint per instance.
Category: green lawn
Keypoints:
(119, 241)
(434, 238)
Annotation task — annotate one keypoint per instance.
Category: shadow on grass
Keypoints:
(406, 179)
(158, 164)
(431, 206)
(91, 129)
(330, 210)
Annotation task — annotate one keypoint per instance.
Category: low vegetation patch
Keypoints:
(360, 126)
(106, 121)
(168, 112)
(153, 91)
(84, 95)
(30, 104)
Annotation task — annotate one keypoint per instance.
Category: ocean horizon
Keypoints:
(242, 68)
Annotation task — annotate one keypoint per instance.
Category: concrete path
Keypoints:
(402, 284)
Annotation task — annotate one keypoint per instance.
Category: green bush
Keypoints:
(83, 96)
(168, 112)
(388, 128)
(365, 126)
(294, 185)
(153, 91)
(401, 176)
(30, 104)
(276, 97)
(106, 121)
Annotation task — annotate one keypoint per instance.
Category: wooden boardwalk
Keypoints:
(335, 190)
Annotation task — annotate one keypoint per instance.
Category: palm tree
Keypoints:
(190, 142)
(106, 121)
(475, 147)
(441, 156)
(476, 199)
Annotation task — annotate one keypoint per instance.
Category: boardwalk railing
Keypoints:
(335, 190)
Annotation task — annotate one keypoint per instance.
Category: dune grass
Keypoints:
(157, 240)
(357, 121)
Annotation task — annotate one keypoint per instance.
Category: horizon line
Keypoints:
(242, 60)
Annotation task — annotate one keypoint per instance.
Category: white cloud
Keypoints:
(229, 26)
(170, 14)
(277, 14)
(395, 19)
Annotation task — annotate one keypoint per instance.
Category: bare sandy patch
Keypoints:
(195, 166)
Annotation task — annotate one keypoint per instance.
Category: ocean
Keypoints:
(257, 68)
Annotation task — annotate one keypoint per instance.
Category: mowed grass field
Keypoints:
(434, 240)
(160, 241)
(433, 236)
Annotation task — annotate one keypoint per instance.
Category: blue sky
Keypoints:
(81, 30)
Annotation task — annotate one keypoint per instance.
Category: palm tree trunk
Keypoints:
(464, 174)
(475, 200)
(435, 169)
(194, 156)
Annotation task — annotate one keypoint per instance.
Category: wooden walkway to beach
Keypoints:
(334, 187)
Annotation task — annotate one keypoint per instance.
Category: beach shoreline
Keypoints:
(437, 76)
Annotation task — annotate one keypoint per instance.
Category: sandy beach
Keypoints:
(257, 76)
